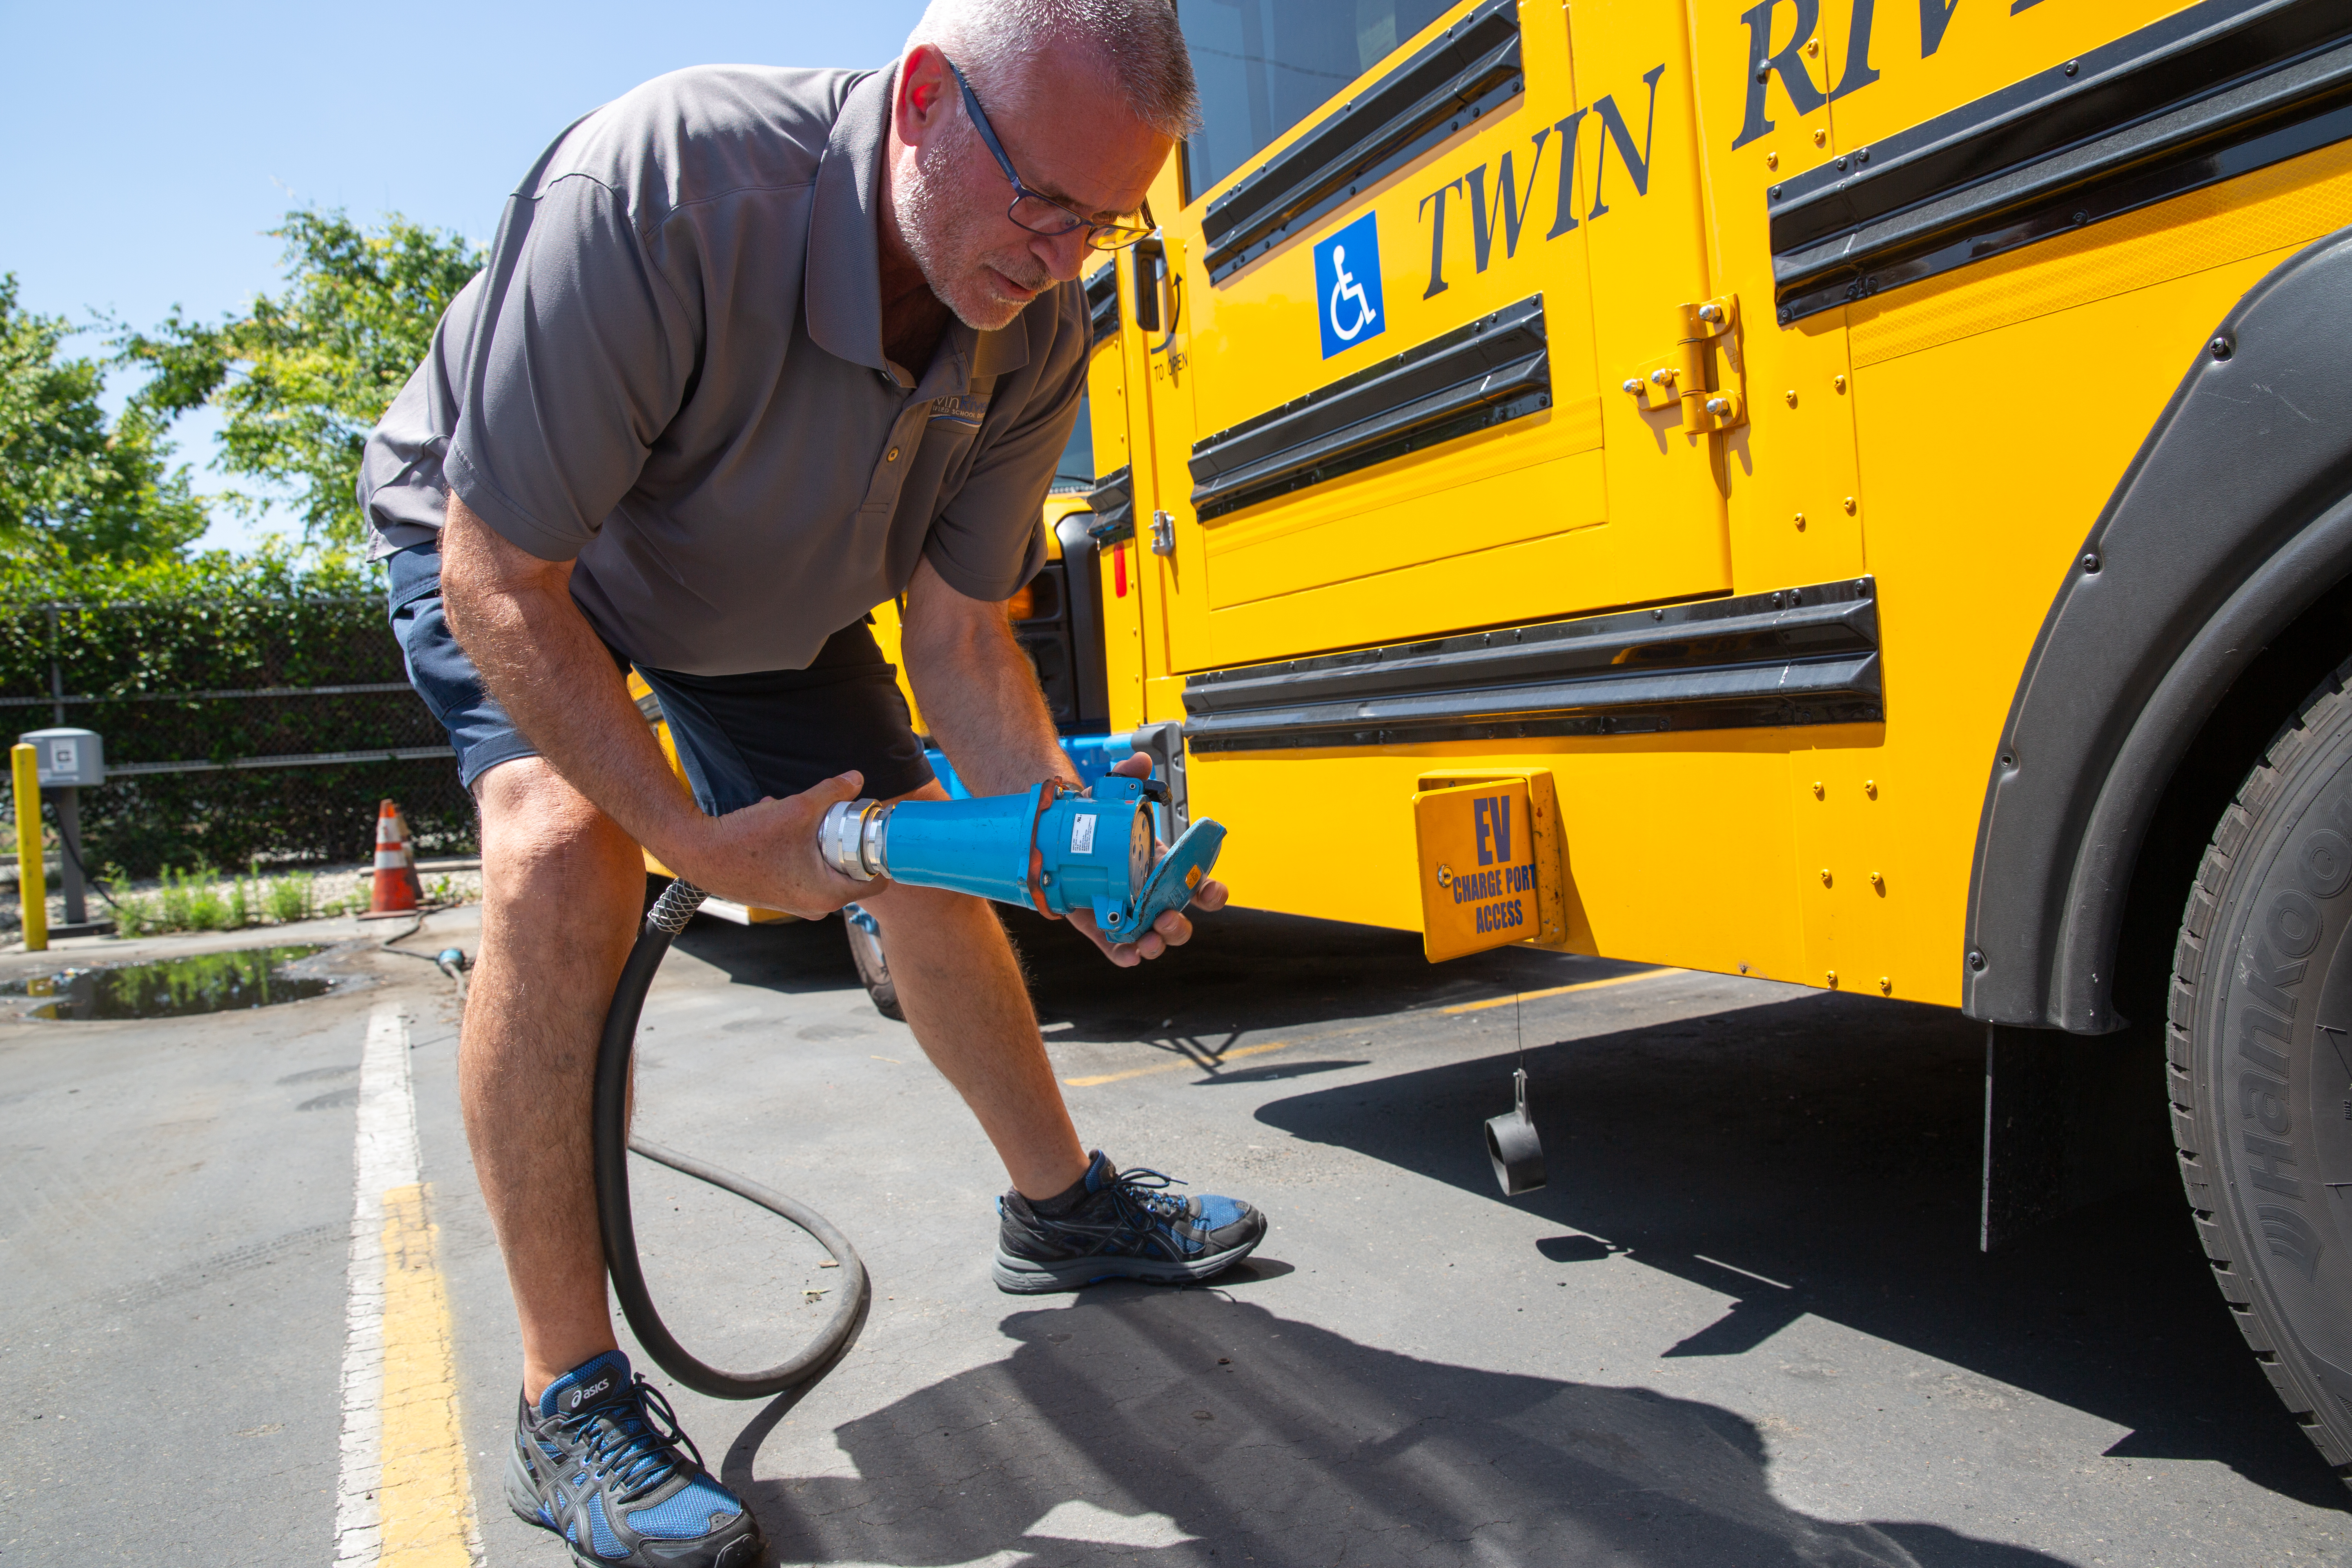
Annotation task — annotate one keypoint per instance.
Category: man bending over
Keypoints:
(754, 350)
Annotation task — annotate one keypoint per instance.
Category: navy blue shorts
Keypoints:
(739, 737)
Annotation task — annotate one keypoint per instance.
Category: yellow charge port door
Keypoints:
(1490, 868)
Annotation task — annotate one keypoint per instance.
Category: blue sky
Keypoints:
(154, 146)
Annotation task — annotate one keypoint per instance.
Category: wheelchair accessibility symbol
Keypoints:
(1348, 285)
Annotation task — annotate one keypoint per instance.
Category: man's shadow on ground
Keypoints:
(1253, 1437)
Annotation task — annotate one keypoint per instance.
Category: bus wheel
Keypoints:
(2261, 1062)
(873, 969)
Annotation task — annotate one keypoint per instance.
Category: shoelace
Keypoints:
(639, 1454)
(1142, 1196)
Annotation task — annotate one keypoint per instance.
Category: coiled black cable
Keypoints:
(613, 1144)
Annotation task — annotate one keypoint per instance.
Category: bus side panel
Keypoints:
(1499, 215)
(1678, 847)
(1969, 552)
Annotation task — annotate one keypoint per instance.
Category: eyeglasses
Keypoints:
(1038, 214)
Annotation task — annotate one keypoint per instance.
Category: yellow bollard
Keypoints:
(32, 887)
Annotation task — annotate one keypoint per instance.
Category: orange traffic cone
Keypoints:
(408, 854)
(395, 877)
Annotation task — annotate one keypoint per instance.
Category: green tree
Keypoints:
(74, 487)
(301, 377)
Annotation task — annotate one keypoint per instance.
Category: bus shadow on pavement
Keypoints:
(1244, 971)
(1205, 1429)
(1822, 1155)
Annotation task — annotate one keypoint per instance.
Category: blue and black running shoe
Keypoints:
(590, 1464)
(1119, 1226)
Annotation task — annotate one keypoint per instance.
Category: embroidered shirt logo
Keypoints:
(961, 408)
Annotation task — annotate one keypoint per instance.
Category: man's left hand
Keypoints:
(1172, 928)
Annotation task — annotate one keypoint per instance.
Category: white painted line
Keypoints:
(387, 1214)
(1751, 1273)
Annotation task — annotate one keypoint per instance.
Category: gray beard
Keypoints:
(929, 221)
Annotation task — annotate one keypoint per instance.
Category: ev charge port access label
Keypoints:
(1477, 857)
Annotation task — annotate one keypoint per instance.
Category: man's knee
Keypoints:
(538, 831)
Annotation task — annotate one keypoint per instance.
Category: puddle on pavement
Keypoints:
(175, 987)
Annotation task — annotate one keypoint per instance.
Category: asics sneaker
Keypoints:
(590, 1464)
(1119, 1225)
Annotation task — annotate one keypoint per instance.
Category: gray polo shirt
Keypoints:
(671, 372)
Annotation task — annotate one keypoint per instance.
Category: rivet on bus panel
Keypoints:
(1791, 395)
(1838, 381)
(1825, 875)
(1821, 793)
(1849, 506)
(1801, 522)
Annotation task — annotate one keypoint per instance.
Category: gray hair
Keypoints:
(1136, 44)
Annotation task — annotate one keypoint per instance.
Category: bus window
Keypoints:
(1074, 469)
(1263, 66)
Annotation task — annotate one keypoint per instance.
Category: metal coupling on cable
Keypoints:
(850, 838)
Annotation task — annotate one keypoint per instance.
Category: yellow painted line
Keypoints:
(1557, 991)
(405, 1497)
(424, 1497)
(1232, 1056)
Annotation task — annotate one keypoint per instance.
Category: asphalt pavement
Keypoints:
(1746, 1323)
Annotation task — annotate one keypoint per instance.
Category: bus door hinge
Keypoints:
(1702, 374)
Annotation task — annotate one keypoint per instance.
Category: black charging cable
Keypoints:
(613, 1145)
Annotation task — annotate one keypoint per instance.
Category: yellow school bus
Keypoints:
(1849, 492)
(1856, 494)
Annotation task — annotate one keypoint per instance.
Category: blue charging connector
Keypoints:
(1055, 849)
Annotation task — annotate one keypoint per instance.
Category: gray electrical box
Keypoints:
(74, 757)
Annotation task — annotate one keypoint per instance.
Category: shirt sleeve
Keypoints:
(579, 357)
(989, 540)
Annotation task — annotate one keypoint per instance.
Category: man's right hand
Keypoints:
(766, 855)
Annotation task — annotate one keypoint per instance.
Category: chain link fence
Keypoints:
(235, 730)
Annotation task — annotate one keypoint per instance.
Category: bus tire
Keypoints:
(873, 969)
(2260, 1071)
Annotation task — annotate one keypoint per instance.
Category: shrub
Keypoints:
(277, 621)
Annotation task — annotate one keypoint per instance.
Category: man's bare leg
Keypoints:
(562, 888)
(964, 998)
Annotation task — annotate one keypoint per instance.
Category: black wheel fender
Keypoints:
(2230, 522)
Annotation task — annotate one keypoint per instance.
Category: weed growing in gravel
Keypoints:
(135, 914)
(195, 900)
(207, 910)
(290, 897)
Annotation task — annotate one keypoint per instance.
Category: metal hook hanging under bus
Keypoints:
(1511, 1141)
